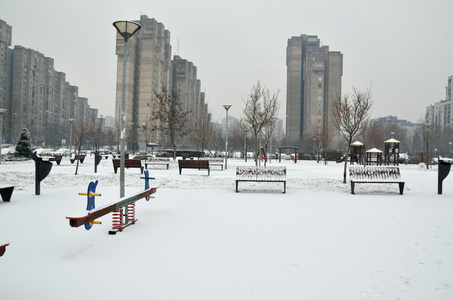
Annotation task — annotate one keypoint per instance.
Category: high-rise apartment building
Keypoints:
(313, 84)
(440, 113)
(186, 84)
(36, 96)
(5, 72)
(149, 68)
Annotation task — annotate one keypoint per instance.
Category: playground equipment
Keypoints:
(356, 152)
(123, 211)
(392, 153)
(3, 248)
(42, 169)
(442, 172)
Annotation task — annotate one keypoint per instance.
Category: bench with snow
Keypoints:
(6, 192)
(157, 161)
(261, 174)
(128, 163)
(214, 161)
(79, 157)
(193, 164)
(375, 174)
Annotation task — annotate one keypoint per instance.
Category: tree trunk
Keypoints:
(346, 162)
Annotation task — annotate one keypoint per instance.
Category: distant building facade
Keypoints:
(36, 96)
(439, 114)
(313, 83)
(5, 71)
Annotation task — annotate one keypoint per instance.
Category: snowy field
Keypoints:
(199, 239)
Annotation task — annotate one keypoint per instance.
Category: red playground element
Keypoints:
(117, 219)
(3, 248)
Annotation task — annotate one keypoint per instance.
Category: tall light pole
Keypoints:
(14, 129)
(2, 110)
(126, 29)
(70, 136)
(227, 107)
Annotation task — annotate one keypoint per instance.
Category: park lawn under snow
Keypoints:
(199, 239)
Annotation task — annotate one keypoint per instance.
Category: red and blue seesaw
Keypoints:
(123, 211)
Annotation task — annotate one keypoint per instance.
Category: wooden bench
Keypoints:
(128, 163)
(6, 193)
(158, 161)
(193, 164)
(56, 158)
(51, 157)
(214, 161)
(261, 174)
(375, 174)
(79, 157)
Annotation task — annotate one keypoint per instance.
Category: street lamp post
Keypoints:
(227, 107)
(2, 110)
(427, 140)
(70, 137)
(126, 29)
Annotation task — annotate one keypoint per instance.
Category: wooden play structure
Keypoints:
(392, 153)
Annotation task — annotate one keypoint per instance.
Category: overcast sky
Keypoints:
(401, 49)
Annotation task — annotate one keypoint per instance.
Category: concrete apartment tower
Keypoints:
(5, 73)
(313, 84)
(149, 68)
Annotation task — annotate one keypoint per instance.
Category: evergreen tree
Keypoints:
(23, 146)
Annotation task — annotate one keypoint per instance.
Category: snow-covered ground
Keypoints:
(199, 239)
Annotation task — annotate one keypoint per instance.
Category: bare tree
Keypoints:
(170, 116)
(203, 129)
(268, 132)
(351, 116)
(95, 134)
(80, 130)
(216, 139)
(428, 137)
(260, 110)
(319, 139)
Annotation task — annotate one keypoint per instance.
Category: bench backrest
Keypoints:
(128, 162)
(263, 173)
(190, 163)
(382, 173)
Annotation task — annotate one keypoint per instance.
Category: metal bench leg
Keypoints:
(6, 193)
(237, 186)
(284, 187)
(352, 187)
(401, 187)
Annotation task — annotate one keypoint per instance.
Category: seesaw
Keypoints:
(3, 248)
(125, 207)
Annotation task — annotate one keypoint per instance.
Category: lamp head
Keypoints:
(126, 28)
(227, 106)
